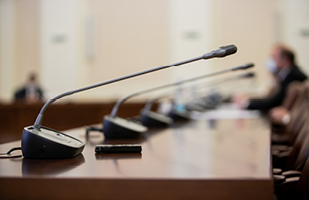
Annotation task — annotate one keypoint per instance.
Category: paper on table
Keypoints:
(226, 114)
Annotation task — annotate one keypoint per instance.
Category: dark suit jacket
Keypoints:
(276, 100)
(20, 94)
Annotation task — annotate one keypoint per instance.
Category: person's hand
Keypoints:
(241, 100)
(279, 115)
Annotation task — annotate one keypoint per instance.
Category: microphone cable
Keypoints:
(9, 155)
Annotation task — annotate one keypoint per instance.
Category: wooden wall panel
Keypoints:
(61, 116)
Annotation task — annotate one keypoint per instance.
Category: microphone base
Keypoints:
(47, 143)
(119, 128)
(179, 116)
(153, 119)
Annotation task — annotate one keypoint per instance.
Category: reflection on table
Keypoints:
(197, 159)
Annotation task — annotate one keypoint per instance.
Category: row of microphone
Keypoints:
(42, 142)
(115, 127)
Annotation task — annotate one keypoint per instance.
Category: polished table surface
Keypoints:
(198, 159)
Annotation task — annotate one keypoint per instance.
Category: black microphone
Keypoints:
(120, 101)
(211, 101)
(151, 101)
(247, 75)
(151, 119)
(116, 127)
(242, 67)
(41, 142)
(183, 114)
(221, 52)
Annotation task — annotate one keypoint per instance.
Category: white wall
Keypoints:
(249, 24)
(7, 67)
(294, 26)
(126, 41)
(59, 45)
(131, 36)
(191, 35)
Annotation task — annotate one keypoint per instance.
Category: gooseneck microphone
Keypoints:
(116, 127)
(221, 52)
(212, 100)
(41, 142)
(120, 101)
(154, 119)
(151, 101)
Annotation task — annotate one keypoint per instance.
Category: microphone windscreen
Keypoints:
(242, 67)
(221, 52)
(247, 75)
(228, 50)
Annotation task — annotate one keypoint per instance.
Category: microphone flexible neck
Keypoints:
(122, 100)
(38, 123)
(230, 49)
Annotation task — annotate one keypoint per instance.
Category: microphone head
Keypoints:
(242, 67)
(247, 75)
(225, 51)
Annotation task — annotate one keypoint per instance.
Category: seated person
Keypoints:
(280, 115)
(30, 92)
(285, 71)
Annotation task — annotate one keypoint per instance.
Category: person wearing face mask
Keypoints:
(284, 69)
(30, 92)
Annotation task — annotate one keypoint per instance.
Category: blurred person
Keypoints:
(31, 92)
(280, 115)
(284, 69)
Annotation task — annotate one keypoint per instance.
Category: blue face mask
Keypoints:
(271, 65)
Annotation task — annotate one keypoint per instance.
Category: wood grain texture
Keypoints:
(194, 160)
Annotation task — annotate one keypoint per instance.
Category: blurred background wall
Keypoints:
(75, 43)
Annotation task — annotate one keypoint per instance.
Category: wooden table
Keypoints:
(62, 115)
(199, 159)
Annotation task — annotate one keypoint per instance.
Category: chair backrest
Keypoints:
(304, 150)
(300, 151)
(303, 153)
(292, 95)
(302, 187)
(298, 114)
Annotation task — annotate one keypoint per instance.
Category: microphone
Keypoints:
(42, 142)
(182, 114)
(242, 67)
(151, 101)
(116, 127)
(154, 119)
(247, 75)
(212, 100)
(150, 118)
(221, 52)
